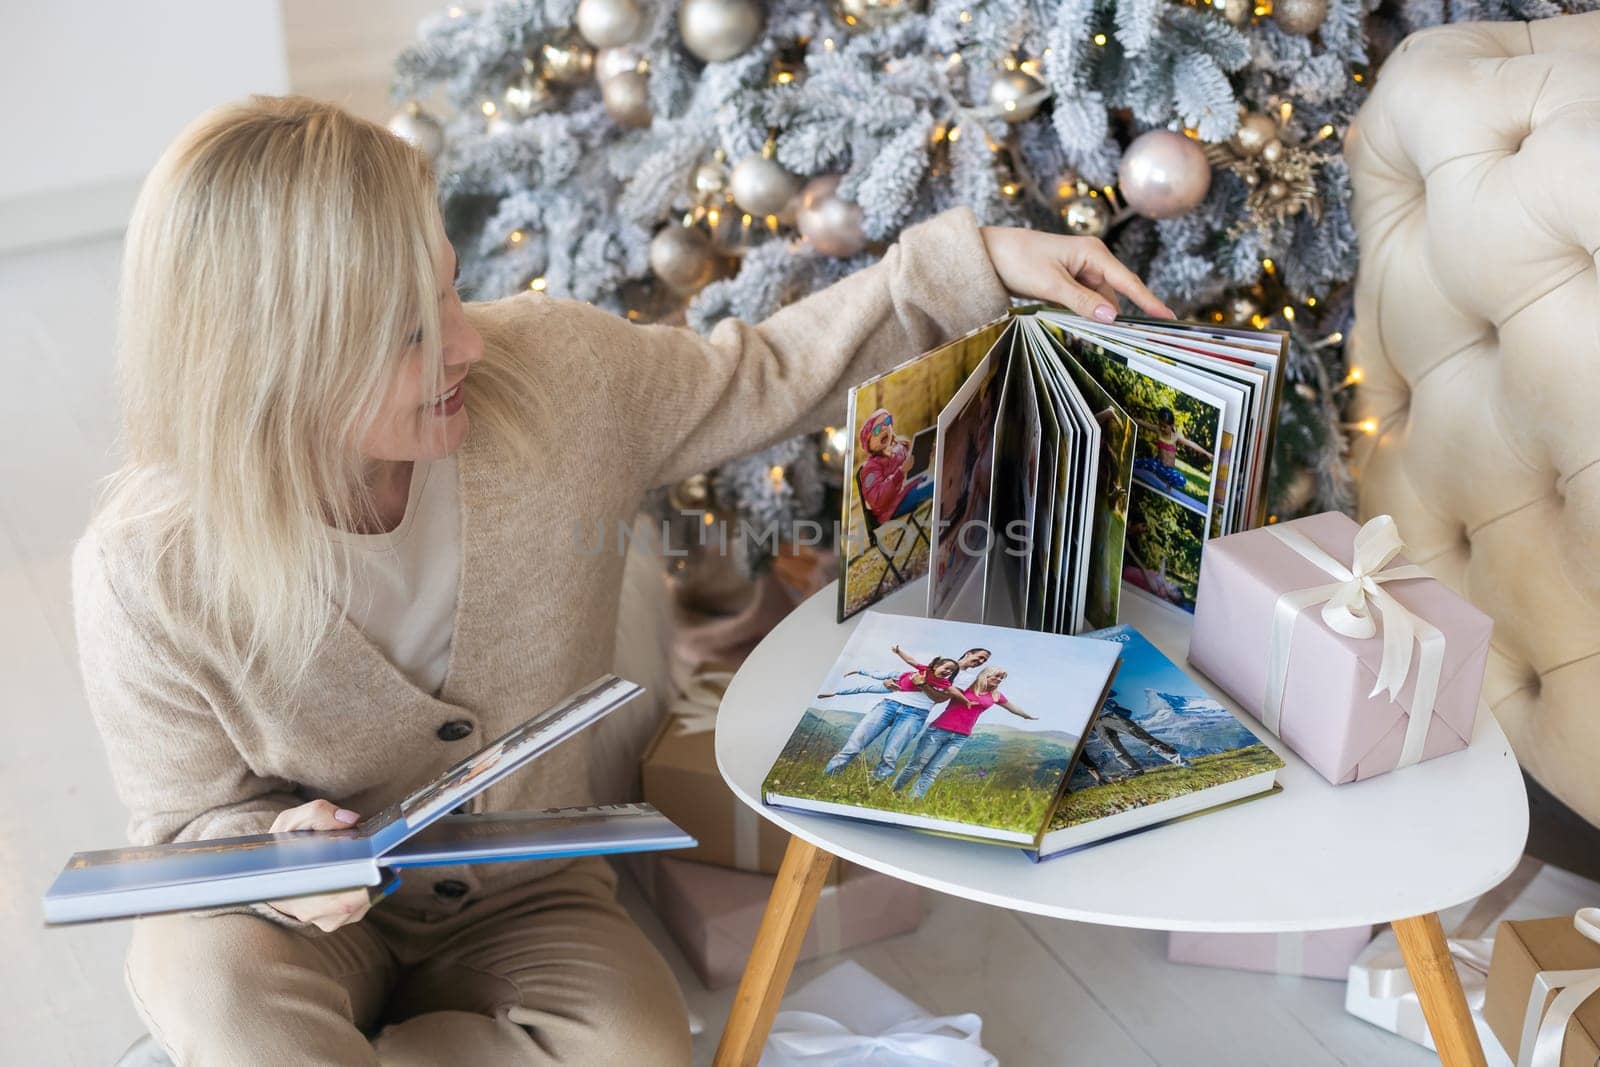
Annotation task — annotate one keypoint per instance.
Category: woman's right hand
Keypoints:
(325, 911)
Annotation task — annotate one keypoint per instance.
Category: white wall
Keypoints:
(95, 89)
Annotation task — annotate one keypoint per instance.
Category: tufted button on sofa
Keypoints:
(1476, 172)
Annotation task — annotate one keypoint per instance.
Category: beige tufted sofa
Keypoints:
(1476, 168)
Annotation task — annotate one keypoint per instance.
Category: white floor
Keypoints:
(1049, 992)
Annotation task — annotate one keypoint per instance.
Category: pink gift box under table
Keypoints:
(1306, 953)
(1328, 718)
(713, 913)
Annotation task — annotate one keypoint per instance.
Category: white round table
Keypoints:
(1401, 846)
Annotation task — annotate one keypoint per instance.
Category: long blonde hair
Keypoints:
(279, 256)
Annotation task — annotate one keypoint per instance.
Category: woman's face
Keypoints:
(413, 412)
(992, 680)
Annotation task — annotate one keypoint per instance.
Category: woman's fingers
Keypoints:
(315, 815)
(1100, 263)
(1085, 301)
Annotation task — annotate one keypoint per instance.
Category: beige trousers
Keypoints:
(551, 972)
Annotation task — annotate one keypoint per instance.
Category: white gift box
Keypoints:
(848, 1016)
(1380, 992)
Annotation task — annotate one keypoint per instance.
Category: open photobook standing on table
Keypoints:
(1066, 457)
(127, 882)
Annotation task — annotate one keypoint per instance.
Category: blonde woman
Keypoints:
(340, 553)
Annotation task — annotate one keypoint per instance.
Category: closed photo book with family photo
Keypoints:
(1036, 466)
(418, 831)
(1161, 748)
(949, 727)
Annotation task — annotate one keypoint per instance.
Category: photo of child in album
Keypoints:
(888, 487)
(1161, 470)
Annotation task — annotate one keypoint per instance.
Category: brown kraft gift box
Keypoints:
(1522, 948)
(680, 777)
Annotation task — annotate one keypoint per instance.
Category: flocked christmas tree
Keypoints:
(687, 160)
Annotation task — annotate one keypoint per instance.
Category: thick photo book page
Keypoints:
(192, 875)
(1161, 748)
(947, 727)
(1069, 461)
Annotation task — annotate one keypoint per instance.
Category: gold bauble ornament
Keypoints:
(761, 186)
(528, 93)
(1086, 216)
(1238, 12)
(870, 14)
(1255, 132)
(566, 60)
(709, 181)
(1016, 95)
(609, 62)
(681, 257)
(691, 494)
(1304, 17)
(1240, 309)
(609, 23)
(1272, 151)
(1277, 190)
(419, 129)
(715, 30)
(627, 99)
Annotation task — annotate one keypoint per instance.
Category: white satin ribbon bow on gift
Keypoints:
(1387, 975)
(805, 1036)
(1347, 608)
(1544, 1032)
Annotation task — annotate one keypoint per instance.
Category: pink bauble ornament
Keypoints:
(1164, 174)
(831, 224)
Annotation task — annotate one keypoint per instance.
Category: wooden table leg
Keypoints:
(783, 927)
(1433, 973)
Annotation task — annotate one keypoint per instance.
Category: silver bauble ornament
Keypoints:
(1085, 216)
(609, 62)
(1238, 12)
(681, 257)
(1304, 17)
(418, 129)
(1163, 174)
(566, 61)
(709, 181)
(528, 93)
(870, 14)
(761, 186)
(609, 23)
(1015, 94)
(627, 99)
(714, 30)
(1255, 130)
(831, 223)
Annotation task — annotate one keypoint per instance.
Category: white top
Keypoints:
(403, 583)
(1314, 857)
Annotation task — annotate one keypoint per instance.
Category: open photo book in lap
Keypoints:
(1070, 459)
(947, 727)
(417, 831)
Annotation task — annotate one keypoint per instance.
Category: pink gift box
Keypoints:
(713, 913)
(1327, 716)
(1307, 953)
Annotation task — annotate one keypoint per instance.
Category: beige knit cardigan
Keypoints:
(195, 754)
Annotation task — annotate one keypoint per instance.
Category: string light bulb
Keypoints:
(538, 284)
(516, 237)
(1100, 39)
